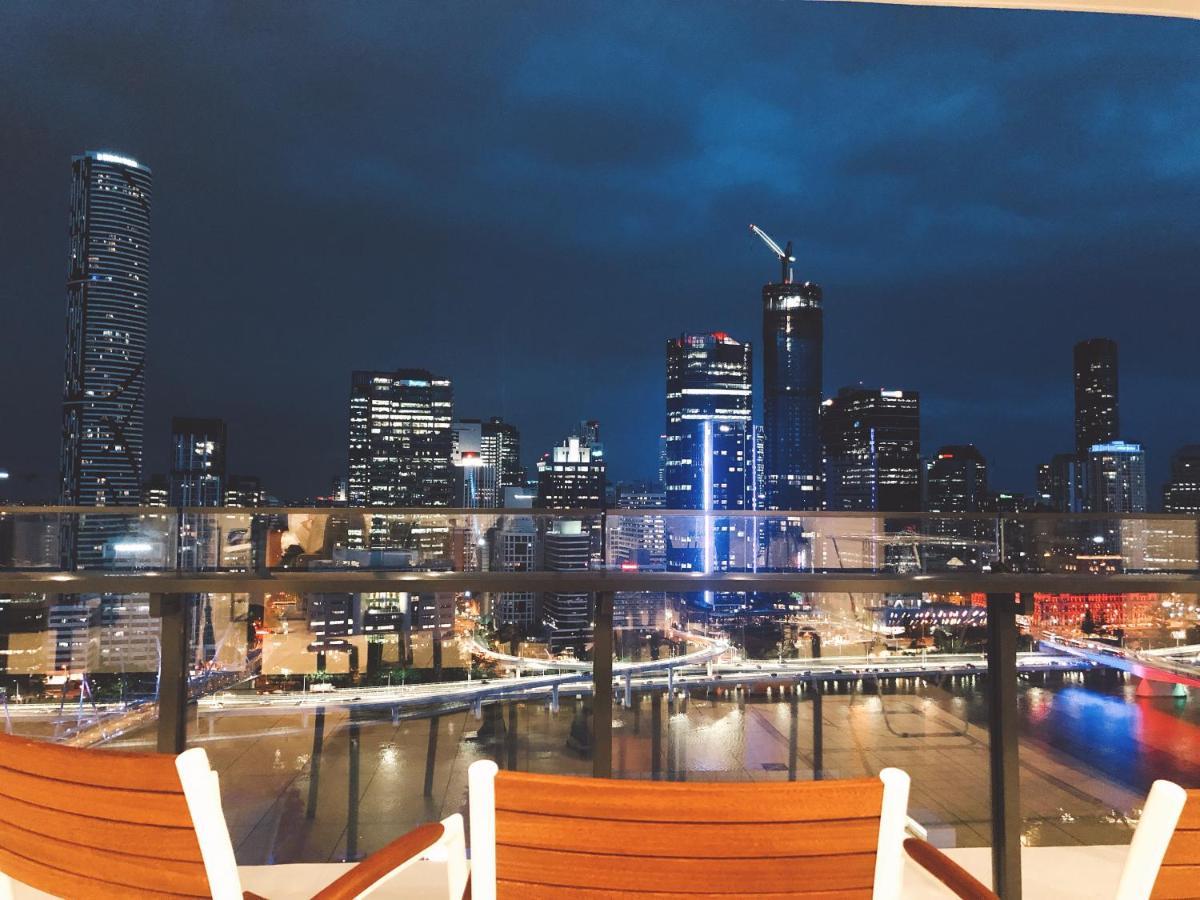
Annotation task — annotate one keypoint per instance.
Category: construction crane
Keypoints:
(785, 254)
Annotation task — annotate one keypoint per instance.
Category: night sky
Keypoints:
(532, 197)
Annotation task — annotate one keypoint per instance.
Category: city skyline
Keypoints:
(1010, 395)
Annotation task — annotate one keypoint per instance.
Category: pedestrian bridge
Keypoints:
(1167, 666)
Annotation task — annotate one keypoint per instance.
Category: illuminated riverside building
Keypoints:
(872, 446)
(108, 286)
(709, 453)
(1096, 413)
(956, 482)
(401, 444)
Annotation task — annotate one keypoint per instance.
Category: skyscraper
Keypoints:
(571, 476)
(198, 453)
(710, 448)
(567, 547)
(1096, 413)
(500, 447)
(792, 340)
(108, 285)
(872, 441)
(956, 480)
(1182, 493)
(400, 445)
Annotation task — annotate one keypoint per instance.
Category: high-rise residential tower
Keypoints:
(872, 441)
(1117, 477)
(108, 287)
(791, 352)
(1096, 412)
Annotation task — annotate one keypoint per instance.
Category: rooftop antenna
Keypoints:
(785, 254)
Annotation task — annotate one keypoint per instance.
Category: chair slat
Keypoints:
(1183, 850)
(70, 883)
(691, 802)
(122, 805)
(120, 769)
(521, 890)
(1177, 883)
(135, 871)
(717, 840)
(685, 874)
(1189, 820)
(168, 842)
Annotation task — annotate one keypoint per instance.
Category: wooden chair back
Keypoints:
(566, 837)
(1180, 873)
(96, 823)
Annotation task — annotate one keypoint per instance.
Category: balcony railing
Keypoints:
(386, 649)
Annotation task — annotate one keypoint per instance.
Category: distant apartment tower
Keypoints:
(198, 454)
(1117, 477)
(1182, 493)
(515, 548)
(108, 285)
(792, 350)
(401, 444)
(956, 480)
(1096, 411)
(567, 547)
(872, 447)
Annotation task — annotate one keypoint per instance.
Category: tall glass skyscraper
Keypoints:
(108, 287)
(710, 452)
(792, 338)
(1096, 414)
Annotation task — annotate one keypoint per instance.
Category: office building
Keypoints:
(872, 448)
(198, 452)
(401, 447)
(567, 617)
(956, 480)
(515, 547)
(572, 476)
(156, 491)
(245, 491)
(1096, 409)
(108, 287)
(476, 479)
(500, 447)
(1182, 493)
(710, 448)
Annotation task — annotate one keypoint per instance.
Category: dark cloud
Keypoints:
(531, 197)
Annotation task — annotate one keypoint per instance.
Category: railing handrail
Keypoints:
(163, 511)
(357, 580)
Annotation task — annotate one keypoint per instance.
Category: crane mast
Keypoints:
(784, 254)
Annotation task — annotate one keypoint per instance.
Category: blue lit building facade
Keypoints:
(108, 289)
(709, 454)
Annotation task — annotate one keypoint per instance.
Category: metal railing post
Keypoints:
(1004, 762)
(602, 692)
(171, 611)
